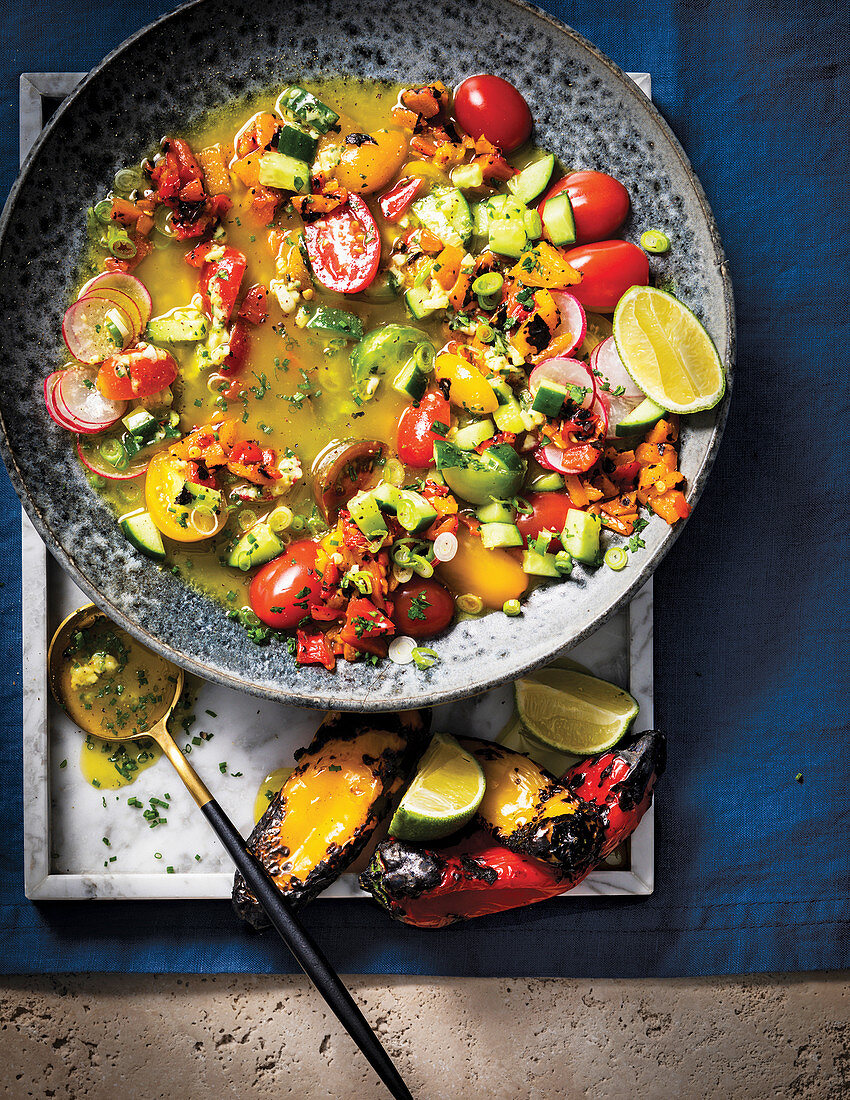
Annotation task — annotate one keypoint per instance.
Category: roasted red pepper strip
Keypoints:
(475, 876)
(220, 282)
(239, 342)
(312, 649)
(254, 308)
(398, 200)
(366, 627)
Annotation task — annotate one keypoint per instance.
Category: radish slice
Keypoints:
(127, 284)
(572, 320)
(564, 372)
(608, 365)
(56, 414)
(92, 460)
(124, 301)
(80, 399)
(95, 328)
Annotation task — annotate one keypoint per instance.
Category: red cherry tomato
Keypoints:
(600, 204)
(139, 372)
(490, 107)
(220, 281)
(283, 591)
(608, 269)
(422, 607)
(416, 435)
(344, 247)
(548, 513)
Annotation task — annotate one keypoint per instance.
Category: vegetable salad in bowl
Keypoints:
(358, 360)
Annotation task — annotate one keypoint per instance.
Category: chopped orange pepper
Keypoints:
(213, 161)
(460, 291)
(671, 506)
(144, 224)
(447, 266)
(247, 169)
(403, 117)
(544, 266)
(576, 490)
(429, 242)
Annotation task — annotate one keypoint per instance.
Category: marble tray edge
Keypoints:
(42, 885)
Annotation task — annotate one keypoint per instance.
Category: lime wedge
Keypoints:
(514, 736)
(572, 712)
(444, 794)
(667, 352)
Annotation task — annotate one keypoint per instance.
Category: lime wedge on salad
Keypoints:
(444, 794)
(667, 351)
(573, 712)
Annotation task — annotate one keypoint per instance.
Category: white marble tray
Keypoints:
(84, 843)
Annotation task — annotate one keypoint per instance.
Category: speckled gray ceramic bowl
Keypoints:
(584, 108)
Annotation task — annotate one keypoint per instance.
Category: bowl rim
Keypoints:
(430, 694)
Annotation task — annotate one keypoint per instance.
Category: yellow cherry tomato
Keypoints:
(492, 575)
(164, 483)
(369, 167)
(468, 388)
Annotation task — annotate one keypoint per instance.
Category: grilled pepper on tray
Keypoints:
(569, 825)
(329, 807)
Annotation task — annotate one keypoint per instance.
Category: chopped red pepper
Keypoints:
(366, 627)
(399, 199)
(254, 308)
(239, 342)
(313, 649)
(220, 281)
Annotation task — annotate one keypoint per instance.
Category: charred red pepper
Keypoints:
(475, 875)
(239, 342)
(313, 649)
(179, 183)
(220, 281)
(254, 308)
(399, 199)
(366, 628)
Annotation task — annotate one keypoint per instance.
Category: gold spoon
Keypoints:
(276, 906)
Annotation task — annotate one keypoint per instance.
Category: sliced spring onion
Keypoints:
(361, 580)
(316, 525)
(246, 518)
(402, 556)
(421, 566)
(103, 211)
(402, 575)
(297, 523)
(401, 650)
(616, 558)
(280, 519)
(512, 607)
(445, 546)
(564, 563)
(163, 221)
(127, 180)
(653, 240)
(203, 521)
(122, 247)
(424, 356)
(425, 658)
(470, 604)
(394, 473)
(114, 452)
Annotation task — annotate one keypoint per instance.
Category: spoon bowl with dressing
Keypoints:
(116, 689)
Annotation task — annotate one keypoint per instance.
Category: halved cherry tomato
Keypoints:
(600, 204)
(608, 269)
(422, 607)
(548, 513)
(488, 106)
(416, 435)
(366, 627)
(283, 591)
(344, 247)
(139, 372)
(220, 282)
(170, 506)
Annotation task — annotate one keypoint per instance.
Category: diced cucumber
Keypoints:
(531, 181)
(424, 300)
(257, 546)
(550, 398)
(365, 512)
(306, 109)
(414, 512)
(446, 213)
(202, 497)
(497, 511)
(494, 535)
(580, 536)
(141, 424)
(504, 393)
(284, 172)
(644, 416)
(507, 237)
(141, 531)
(547, 483)
(297, 142)
(469, 436)
(468, 177)
(539, 565)
(411, 381)
(338, 321)
(387, 497)
(183, 325)
(497, 206)
(533, 225)
(558, 221)
(509, 418)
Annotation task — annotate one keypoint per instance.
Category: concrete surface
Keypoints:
(151, 1037)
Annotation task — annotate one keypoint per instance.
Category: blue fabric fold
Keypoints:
(753, 866)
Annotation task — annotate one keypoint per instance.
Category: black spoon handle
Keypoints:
(309, 957)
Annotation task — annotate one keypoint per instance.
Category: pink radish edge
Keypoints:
(572, 318)
(114, 475)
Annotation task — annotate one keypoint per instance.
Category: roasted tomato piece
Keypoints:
(139, 372)
(344, 247)
(341, 469)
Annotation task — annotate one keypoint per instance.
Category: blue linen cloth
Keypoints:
(753, 867)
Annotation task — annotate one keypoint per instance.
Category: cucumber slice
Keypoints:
(580, 536)
(494, 535)
(539, 565)
(387, 496)
(183, 325)
(644, 416)
(296, 142)
(547, 483)
(446, 213)
(365, 512)
(508, 417)
(411, 381)
(256, 547)
(532, 180)
(558, 221)
(468, 437)
(468, 177)
(414, 512)
(286, 173)
(423, 301)
(141, 531)
(533, 225)
(497, 511)
(550, 398)
(507, 236)
(306, 109)
(337, 321)
(141, 424)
